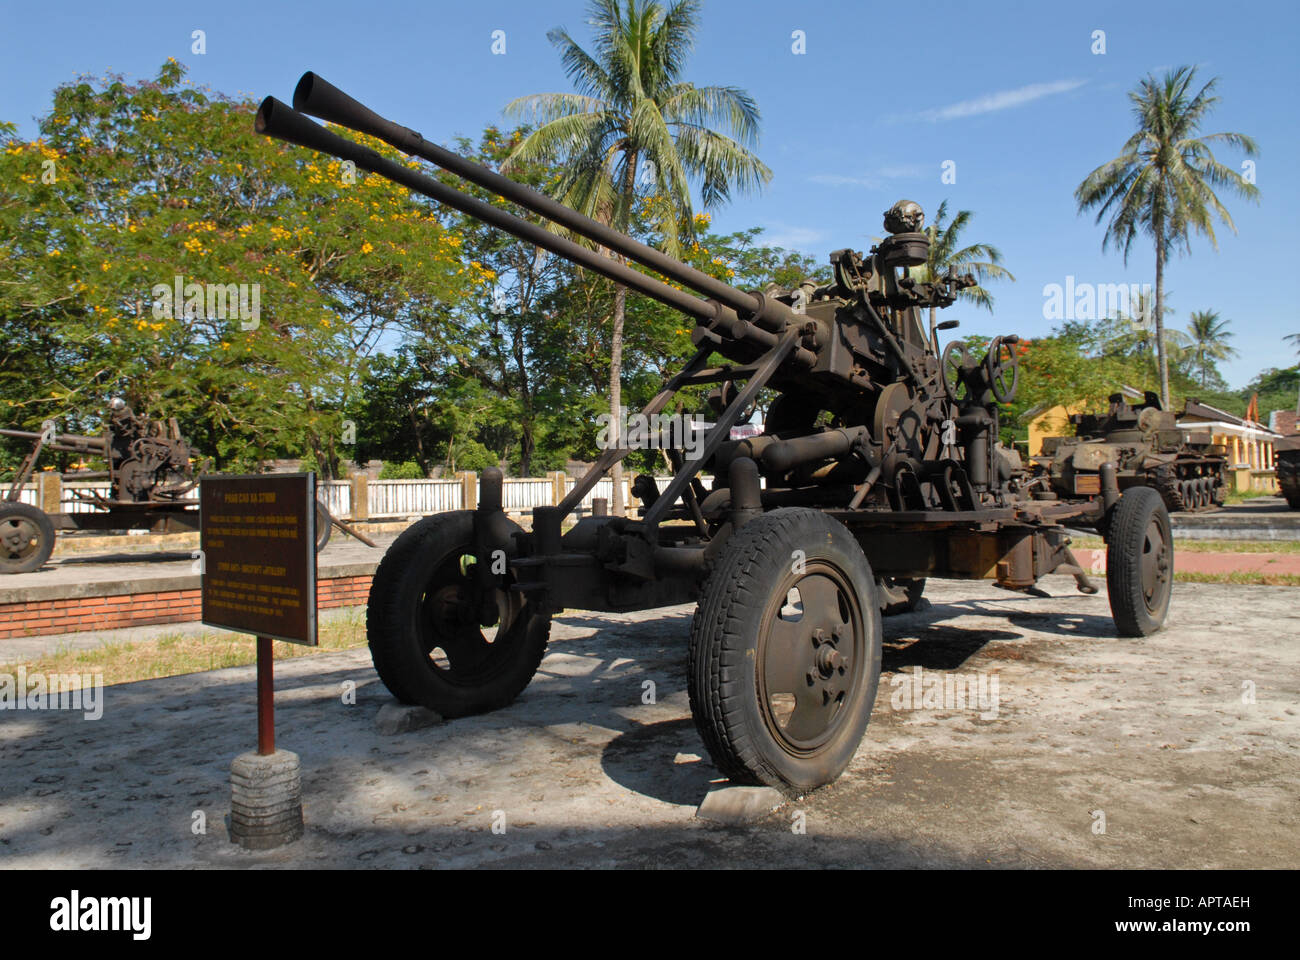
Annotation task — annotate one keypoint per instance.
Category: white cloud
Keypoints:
(791, 238)
(870, 179)
(1001, 100)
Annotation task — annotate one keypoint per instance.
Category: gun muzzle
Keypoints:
(322, 99)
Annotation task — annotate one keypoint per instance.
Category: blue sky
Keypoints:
(1011, 93)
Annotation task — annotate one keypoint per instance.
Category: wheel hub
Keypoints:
(807, 662)
(17, 536)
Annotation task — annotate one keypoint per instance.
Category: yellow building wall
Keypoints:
(1051, 423)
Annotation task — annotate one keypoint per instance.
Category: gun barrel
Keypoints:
(322, 99)
(73, 442)
(280, 121)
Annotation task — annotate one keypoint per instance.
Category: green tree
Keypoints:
(1162, 183)
(946, 253)
(635, 122)
(1208, 337)
(129, 186)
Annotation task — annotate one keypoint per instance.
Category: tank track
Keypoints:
(1288, 480)
(1166, 484)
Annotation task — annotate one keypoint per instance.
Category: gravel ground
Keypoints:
(1153, 739)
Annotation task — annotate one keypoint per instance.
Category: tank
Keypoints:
(1287, 453)
(1187, 469)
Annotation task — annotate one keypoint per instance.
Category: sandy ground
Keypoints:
(1153, 738)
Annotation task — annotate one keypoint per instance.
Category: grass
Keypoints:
(1206, 546)
(171, 655)
(1248, 579)
(1234, 496)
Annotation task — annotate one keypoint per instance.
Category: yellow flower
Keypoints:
(366, 247)
(104, 265)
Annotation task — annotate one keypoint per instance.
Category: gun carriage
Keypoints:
(150, 474)
(879, 466)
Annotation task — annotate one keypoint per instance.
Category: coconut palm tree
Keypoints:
(1139, 340)
(1162, 183)
(1208, 338)
(983, 260)
(634, 123)
(1293, 338)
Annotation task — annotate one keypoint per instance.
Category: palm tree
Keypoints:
(981, 259)
(632, 113)
(1140, 339)
(1161, 184)
(1293, 338)
(1208, 341)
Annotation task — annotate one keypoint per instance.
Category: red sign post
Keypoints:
(257, 546)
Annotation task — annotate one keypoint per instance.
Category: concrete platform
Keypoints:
(1262, 518)
(1187, 743)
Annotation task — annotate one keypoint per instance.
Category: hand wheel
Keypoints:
(956, 357)
(1003, 372)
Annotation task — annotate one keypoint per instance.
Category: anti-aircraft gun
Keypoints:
(879, 466)
(151, 470)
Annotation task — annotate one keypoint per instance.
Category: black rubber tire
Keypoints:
(404, 637)
(912, 588)
(1137, 613)
(30, 525)
(324, 526)
(725, 658)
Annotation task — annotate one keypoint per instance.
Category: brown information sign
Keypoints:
(258, 543)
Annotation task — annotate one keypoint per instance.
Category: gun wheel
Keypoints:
(26, 538)
(1139, 562)
(784, 656)
(423, 624)
(324, 526)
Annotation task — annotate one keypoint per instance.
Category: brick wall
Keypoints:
(73, 614)
(1285, 422)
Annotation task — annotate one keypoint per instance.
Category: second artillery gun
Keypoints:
(150, 470)
(879, 466)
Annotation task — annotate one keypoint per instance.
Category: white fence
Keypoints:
(337, 497)
(406, 498)
(604, 489)
(396, 498)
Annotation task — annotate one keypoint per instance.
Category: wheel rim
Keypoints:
(811, 655)
(20, 538)
(457, 647)
(1156, 565)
